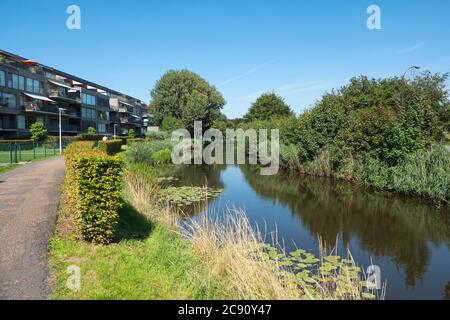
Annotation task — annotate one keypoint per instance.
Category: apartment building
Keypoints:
(31, 92)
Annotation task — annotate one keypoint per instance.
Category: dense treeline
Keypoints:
(386, 133)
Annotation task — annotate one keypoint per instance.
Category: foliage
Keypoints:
(186, 96)
(186, 196)
(91, 131)
(143, 152)
(131, 133)
(92, 191)
(158, 135)
(89, 137)
(98, 182)
(110, 147)
(38, 132)
(366, 130)
(132, 141)
(162, 156)
(170, 124)
(267, 106)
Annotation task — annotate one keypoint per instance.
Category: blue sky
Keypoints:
(299, 49)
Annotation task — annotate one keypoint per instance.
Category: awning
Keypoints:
(36, 97)
(135, 116)
(76, 83)
(127, 104)
(60, 84)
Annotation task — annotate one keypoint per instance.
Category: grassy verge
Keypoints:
(8, 168)
(147, 262)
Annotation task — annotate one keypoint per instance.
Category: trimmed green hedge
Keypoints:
(16, 141)
(110, 147)
(131, 141)
(92, 191)
(90, 137)
(98, 184)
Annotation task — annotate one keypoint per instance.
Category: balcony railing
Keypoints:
(65, 127)
(34, 107)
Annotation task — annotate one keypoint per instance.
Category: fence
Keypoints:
(23, 152)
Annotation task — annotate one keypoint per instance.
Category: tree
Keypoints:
(38, 132)
(267, 106)
(186, 96)
(91, 131)
(171, 124)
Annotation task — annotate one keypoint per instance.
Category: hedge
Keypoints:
(92, 190)
(16, 141)
(131, 141)
(110, 147)
(90, 137)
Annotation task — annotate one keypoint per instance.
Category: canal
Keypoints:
(409, 239)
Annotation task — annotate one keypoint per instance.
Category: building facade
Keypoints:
(31, 92)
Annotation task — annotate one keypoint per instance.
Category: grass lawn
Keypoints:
(8, 167)
(146, 262)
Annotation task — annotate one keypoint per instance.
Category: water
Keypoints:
(407, 238)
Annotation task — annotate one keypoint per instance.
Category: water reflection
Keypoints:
(408, 232)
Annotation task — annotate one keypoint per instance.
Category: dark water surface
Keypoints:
(407, 238)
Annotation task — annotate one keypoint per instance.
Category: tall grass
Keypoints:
(237, 262)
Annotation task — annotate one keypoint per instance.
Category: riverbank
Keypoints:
(153, 257)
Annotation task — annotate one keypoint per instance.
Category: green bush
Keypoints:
(143, 152)
(162, 156)
(132, 141)
(158, 135)
(91, 131)
(90, 137)
(110, 147)
(98, 180)
(38, 132)
(16, 141)
(92, 191)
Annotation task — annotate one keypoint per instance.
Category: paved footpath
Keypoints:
(28, 203)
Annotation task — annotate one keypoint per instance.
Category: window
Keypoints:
(21, 83)
(21, 122)
(88, 113)
(101, 127)
(8, 100)
(88, 99)
(36, 86)
(2, 78)
(29, 85)
(15, 81)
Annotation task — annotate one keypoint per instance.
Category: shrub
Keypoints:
(92, 191)
(132, 141)
(15, 141)
(38, 132)
(110, 147)
(162, 156)
(131, 133)
(90, 137)
(91, 131)
(158, 135)
(142, 152)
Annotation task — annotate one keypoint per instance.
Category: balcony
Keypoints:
(49, 109)
(71, 97)
(65, 128)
